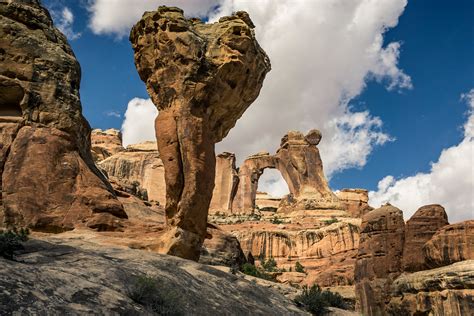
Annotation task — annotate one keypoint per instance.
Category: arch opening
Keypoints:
(270, 190)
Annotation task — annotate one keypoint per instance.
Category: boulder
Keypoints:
(379, 258)
(450, 244)
(201, 77)
(419, 229)
(49, 179)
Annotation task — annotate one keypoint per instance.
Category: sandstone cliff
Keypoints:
(40, 116)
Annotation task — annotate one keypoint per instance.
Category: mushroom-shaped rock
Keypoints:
(202, 78)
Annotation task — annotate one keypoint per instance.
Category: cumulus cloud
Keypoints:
(450, 181)
(322, 53)
(118, 16)
(139, 121)
(64, 20)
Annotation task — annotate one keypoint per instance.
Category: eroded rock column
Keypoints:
(202, 77)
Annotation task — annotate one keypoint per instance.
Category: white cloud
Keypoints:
(118, 16)
(64, 20)
(322, 53)
(113, 114)
(450, 181)
(139, 123)
(272, 182)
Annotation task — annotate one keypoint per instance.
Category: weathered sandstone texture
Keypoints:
(355, 201)
(418, 230)
(379, 259)
(49, 180)
(138, 166)
(73, 276)
(442, 291)
(202, 77)
(105, 143)
(226, 182)
(450, 244)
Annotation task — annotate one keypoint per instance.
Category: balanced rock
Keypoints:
(419, 229)
(450, 244)
(201, 77)
(379, 259)
(49, 179)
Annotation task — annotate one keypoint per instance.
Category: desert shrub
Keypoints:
(150, 293)
(252, 270)
(10, 241)
(299, 267)
(276, 220)
(316, 301)
(331, 221)
(269, 265)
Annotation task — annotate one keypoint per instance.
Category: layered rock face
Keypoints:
(419, 229)
(49, 180)
(442, 291)
(140, 166)
(105, 143)
(355, 201)
(379, 259)
(450, 244)
(202, 77)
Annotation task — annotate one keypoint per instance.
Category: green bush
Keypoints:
(148, 291)
(299, 267)
(270, 265)
(276, 220)
(316, 301)
(10, 241)
(331, 221)
(252, 270)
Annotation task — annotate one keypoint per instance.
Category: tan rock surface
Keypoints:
(105, 143)
(419, 229)
(202, 77)
(355, 201)
(379, 258)
(140, 164)
(443, 291)
(450, 244)
(226, 182)
(40, 116)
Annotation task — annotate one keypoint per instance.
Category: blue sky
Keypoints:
(436, 52)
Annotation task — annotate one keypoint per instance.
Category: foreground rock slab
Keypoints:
(77, 277)
(202, 78)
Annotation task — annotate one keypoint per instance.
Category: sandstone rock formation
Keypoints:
(139, 165)
(450, 244)
(443, 291)
(355, 201)
(202, 77)
(226, 182)
(72, 276)
(49, 180)
(105, 143)
(419, 229)
(379, 259)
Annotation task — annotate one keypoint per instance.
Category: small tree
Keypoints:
(10, 241)
(299, 267)
(316, 301)
(270, 265)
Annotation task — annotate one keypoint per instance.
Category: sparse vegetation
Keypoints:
(331, 221)
(148, 291)
(269, 265)
(10, 241)
(316, 301)
(276, 220)
(299, 267)
(252, 270)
